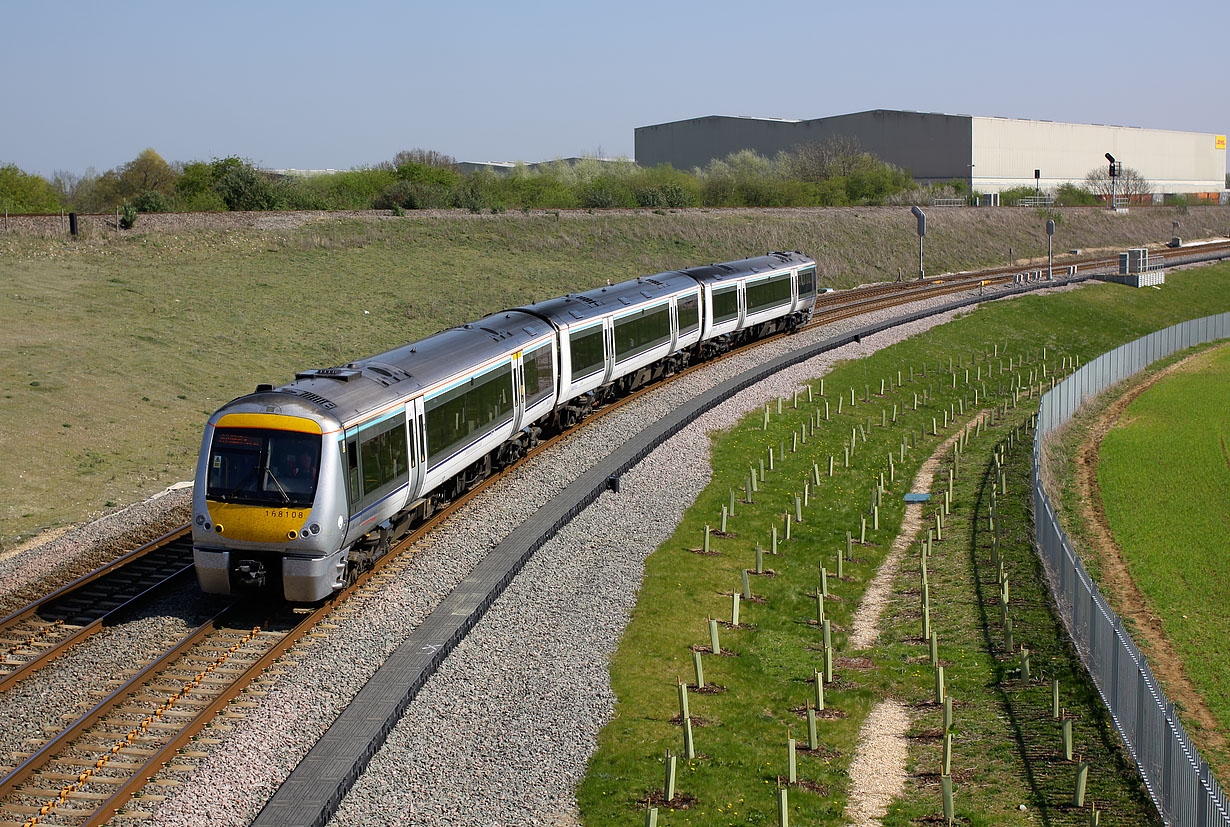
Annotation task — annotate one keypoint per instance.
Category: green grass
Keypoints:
(132, 341)
(1165, 479)
(1006, 744)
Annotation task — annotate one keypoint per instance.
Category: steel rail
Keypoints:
(85, 632)
(84, 580)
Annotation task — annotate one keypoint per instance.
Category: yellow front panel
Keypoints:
(264, 420)
(255, 523)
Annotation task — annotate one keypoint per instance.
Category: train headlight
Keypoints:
(218, 527)
(292, 535)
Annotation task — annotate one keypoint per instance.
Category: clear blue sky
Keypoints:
(340, 84)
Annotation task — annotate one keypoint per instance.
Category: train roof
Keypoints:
(350, 390)
(747, 266)
(602, 301)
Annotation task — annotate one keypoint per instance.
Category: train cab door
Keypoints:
(418, 446)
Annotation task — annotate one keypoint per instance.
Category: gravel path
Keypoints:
(865, 628)
(878, 768)
(503, 732)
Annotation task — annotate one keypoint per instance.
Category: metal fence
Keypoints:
(1178, 780)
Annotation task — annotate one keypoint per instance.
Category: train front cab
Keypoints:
(265, 514)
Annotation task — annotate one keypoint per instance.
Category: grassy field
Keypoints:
(116, 347)
(1164, 473)
(1006, 746)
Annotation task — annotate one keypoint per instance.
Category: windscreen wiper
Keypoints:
(269, 471)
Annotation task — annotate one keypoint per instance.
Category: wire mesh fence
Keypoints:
(1179, 781)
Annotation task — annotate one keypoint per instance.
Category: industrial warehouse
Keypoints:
(992, 154)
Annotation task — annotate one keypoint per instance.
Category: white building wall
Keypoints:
(1006, 151)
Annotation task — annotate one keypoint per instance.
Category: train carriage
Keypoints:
(615, 338)
(754, 297)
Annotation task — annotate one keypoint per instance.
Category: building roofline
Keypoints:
(918, 112)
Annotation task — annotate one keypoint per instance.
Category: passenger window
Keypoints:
(725, 303)
(639, 332)
(383, 454)
(587, 355)
(689, 314)
(538, 374)
(468, 412)
(807, 281)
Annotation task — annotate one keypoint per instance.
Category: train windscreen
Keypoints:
(260, 466)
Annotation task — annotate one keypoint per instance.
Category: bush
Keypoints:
(677, 196)
(356, 189)
(649, 197)
(1010, 197)
(207, 201)
(246, 188)
(1071, 195)
(598, 194)
(128, 216)
(414, 195)
(151, 201)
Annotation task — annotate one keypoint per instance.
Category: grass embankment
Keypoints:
(1164, 476)
(115, 348)
(1006, 750)
(1165, 479)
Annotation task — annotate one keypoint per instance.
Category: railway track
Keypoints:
(36, 635)
(91, 769)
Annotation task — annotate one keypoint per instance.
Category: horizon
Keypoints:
(304, 86)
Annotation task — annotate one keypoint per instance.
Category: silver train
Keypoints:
(302, 487)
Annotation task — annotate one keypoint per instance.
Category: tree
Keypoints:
(24, 192)
(424, 157)
(197, 178)
(832, 158)
(74, 189)
(1129, 183)
(144, 173)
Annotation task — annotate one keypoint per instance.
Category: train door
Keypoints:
(674, 317)
(418, 447)
(608, 338)
(518, 380)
